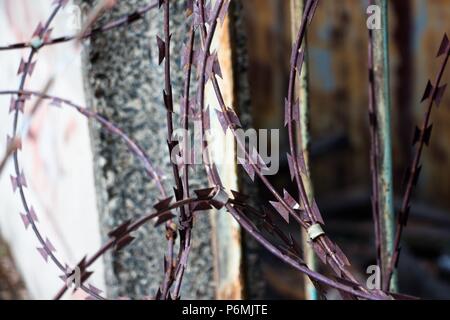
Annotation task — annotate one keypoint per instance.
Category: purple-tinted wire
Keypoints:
(14, 132)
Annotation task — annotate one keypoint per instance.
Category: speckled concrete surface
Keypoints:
(124, 83)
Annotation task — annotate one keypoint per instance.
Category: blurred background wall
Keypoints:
(338, 61)
(337, 42)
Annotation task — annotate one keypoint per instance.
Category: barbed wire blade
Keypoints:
(428, 91)
(426, 135)
(445, 46)
(16, 105)
(234, 119)
(28, 218)
(162, 49)
(43, 253)
(39, 29)
(18, 182)
(284, 213)
(26, 221)
(213, 66)
(46, 250)
(163, 205)
(300, 62)
(21, 67)
(203, 194)
(436, 94)
(290, 201)
(206, 119)
(25, 66)
(287, 112)
(84, 273)
(120, 230)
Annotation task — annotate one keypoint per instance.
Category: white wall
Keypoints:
(56, 160)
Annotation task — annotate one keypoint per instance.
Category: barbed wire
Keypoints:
(203, 17)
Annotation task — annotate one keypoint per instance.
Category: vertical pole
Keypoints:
(297, 7)
(227, 237)
(380, 53)
(239, 272)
